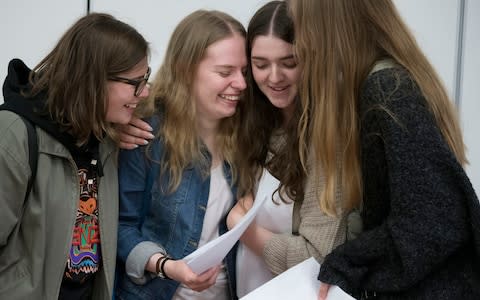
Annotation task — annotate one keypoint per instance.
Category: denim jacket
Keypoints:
(153, 221)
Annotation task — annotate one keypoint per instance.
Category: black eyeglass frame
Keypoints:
(139, 84)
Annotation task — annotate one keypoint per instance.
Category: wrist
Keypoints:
(150, 267)
(160, 266)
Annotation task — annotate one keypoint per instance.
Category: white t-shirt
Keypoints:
(252, 271)
(220, 200)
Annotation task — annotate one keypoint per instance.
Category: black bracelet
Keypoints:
(157, 267)
(162, 265)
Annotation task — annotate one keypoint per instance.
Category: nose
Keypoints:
(275, 75)
(145, 92)
(239, 82)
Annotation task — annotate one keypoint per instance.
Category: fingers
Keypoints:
(323, 291)
(248, 201)
(235, 215)
(136, 132)
(179, 271)
(131, 136)
(127, 146)
(139, 123)
(206, 279)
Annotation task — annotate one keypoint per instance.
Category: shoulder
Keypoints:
(13, 137)
(392, 94)
(387, 85)
(11, 127)
(7, 118)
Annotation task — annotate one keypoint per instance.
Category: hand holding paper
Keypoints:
(213, 253)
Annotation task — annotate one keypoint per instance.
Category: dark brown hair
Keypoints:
(76, 71)
(260, 118)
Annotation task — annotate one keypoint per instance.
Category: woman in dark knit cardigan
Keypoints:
(369, 90)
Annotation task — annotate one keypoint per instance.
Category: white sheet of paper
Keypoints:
(298, 282)
(212, 253)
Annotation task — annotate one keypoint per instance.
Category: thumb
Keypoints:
(323, 291)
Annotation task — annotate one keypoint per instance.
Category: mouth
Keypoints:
(278, 89)
(131, 105)
(230, 97)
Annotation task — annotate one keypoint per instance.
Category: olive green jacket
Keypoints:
(35, 239)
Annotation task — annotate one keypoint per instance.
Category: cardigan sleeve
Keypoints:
(426, 220)
(318, 234)
(314, 232)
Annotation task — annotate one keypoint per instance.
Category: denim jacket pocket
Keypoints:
(166, 208)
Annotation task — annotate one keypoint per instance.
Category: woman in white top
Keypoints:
(293, 226)
(274, 73)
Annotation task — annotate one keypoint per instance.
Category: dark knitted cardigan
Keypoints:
(421, 215)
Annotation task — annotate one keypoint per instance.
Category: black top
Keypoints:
(421, 215)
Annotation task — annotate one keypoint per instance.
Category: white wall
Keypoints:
(29, 29)
(435, 23)
(157, 20)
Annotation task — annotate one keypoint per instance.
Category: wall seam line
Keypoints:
(459, 56)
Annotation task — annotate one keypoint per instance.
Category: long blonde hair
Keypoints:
(171, 94)
(337, 43)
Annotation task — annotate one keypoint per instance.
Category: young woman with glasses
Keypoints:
(60, 242)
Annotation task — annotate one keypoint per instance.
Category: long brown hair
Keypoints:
(76, 71)
(338, 42)
(260, 118)
(172, 93)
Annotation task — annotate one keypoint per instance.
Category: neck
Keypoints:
(287, 114)
(208, 132)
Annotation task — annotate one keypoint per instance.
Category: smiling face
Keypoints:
(275, 71)
(121, 99)
(219, 80)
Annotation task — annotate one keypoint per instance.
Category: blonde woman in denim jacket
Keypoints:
(175, 193)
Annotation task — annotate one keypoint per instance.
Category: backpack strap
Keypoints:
(32, 154)
(32, 150)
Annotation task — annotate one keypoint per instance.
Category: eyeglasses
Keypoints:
(139, 84)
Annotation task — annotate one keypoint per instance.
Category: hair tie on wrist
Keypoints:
(157, 265)
(162, 266)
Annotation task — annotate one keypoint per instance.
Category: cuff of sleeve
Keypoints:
(332, 276)
(275, 253)
(138, 259)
